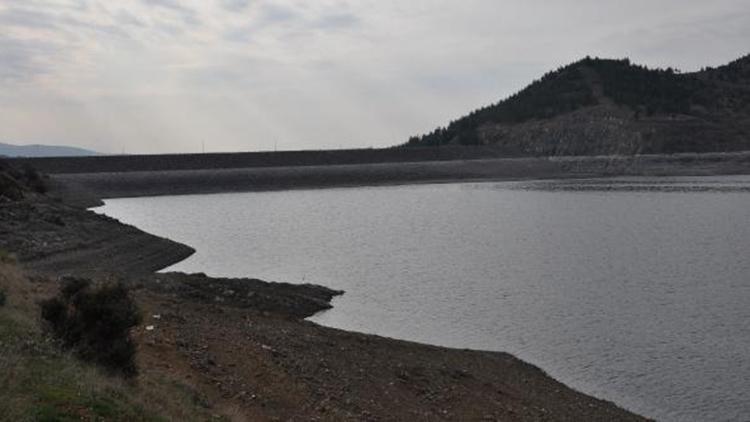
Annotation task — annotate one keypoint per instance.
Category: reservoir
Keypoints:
(635, 290)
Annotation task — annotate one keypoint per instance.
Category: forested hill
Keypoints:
(598, 106)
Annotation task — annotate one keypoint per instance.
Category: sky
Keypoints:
(160, 76)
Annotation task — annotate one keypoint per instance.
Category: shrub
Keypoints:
(2, 298)
(95, 322)
(34, 180)
(9, 187)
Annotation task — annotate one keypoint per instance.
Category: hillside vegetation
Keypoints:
(599, 106)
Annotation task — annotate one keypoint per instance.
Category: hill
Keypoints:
(10, 150)
(603, 107)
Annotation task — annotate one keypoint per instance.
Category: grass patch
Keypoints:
(39, 381)
(58, 388)
(42, 383)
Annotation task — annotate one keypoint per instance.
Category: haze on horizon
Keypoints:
(155, 76)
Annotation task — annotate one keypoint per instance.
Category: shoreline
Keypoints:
(288, 368)
(204, 320)
(243, 345)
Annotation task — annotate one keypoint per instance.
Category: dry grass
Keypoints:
(41, 383)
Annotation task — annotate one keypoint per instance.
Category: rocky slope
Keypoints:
(605, 107)
(50, 236)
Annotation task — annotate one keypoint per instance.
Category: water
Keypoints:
(633, 290)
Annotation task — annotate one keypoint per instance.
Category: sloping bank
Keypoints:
(245, 351)
(190, 174)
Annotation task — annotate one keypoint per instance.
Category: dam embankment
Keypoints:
(83, 179)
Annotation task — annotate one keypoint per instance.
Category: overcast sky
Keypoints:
(150, 76)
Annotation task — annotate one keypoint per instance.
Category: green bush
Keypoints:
(95, 322)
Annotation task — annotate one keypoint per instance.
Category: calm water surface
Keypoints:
(633, 290)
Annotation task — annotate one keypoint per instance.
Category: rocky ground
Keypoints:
(270, 366)
(52, 237)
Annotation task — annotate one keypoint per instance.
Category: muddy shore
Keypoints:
(244, 347)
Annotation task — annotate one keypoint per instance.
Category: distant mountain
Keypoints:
(10, 150)
(599, 107)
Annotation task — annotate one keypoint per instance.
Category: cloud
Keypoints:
(337, 20)
(235, 5)
(169, 4)
(160, 75)
(125, 18)
(188, 15)
(285, 21)
(25, 18)
(24, 60)
(274, 13)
